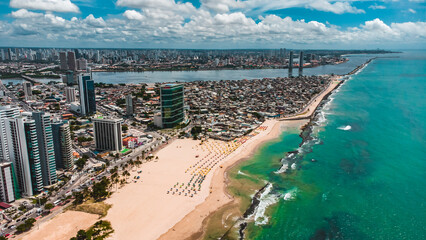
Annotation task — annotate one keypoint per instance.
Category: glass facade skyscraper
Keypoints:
(87, 95)
(46, 149)
(172, 105)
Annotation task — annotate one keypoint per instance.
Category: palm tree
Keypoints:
(138, 163)
(116, 181)
(131, 163)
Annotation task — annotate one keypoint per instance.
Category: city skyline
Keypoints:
(206, 24)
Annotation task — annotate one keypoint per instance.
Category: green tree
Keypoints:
(27, 225)
(80, 163)
(49, 206)
(78, 198)
(99, 189)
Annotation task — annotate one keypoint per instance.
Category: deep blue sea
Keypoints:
(369, 177)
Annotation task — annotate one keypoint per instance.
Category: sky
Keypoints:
(214, 24)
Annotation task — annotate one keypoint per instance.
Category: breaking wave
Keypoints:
(345, 128)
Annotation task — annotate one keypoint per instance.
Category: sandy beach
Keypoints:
(144, 210)
(62, 227)
(192, 225)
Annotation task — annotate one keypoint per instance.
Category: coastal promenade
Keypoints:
(313, 104)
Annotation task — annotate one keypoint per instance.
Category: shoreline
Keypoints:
(193, 224)
(223, 180)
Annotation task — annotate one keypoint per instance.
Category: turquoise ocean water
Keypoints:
(369, 177)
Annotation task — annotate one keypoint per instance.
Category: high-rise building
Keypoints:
(107, 132)
(7, 188)
(2, 55)
(70, 94)
(97, 56)
(63, 60)
(77, 53)
(27, 90)
(24, 154)
(6, 112)
(172, 105)
(87, 94)
(129, 105)
(301, 61)
(70, 78)
(62, 145)
(81, 64)
(45, 145)
(71, 61)
(290, 62)
(9, 54)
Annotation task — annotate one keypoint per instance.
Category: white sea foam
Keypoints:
(293, 166)
(290, 195)
(345, 128)
(321, 119)
(327, 105)
(266, 200)
(283, 168)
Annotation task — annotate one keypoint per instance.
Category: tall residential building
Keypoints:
(290, 62)
(6, 112)
(107, 132)
(45, 145)
(63, 60)
(7, 188)
(77, 53)
(2, 55)
(71, 61)
(81, 64)
(27, 90)
(62, 145)
(87, 94)
(25, 156)
(301, 61)
(172, 105)
(70, 94)
(129, 105)
(70, 78)
(9, 54)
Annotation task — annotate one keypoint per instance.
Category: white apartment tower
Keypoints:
(5, 112)
(107, 133)
(70, 94)
(7, 192)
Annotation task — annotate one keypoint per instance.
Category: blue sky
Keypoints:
(342, 24)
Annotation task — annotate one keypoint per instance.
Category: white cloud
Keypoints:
(24, 13)
(258, 6)
(165, 5)
(337, 7)
(133, 15)
(204, 28)
(411, 10)
(375, 6)
(222, 6)
(46, 5)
